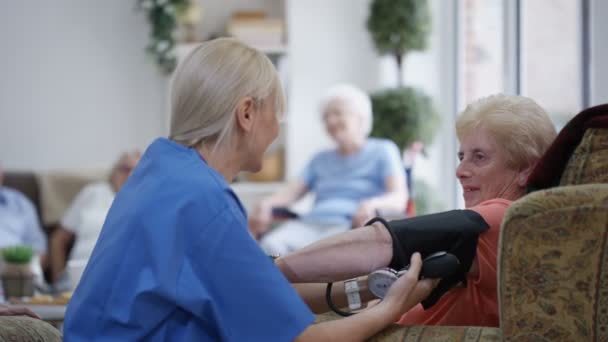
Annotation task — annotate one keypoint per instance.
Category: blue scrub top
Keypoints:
(175, 262)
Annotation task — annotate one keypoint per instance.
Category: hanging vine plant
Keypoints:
(163, 19)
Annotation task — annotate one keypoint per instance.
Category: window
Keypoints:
(551, 68)
(482, 50)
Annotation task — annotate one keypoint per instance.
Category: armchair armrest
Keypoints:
(552, 266)
(420, 333)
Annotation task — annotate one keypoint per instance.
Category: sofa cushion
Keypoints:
(589, 161)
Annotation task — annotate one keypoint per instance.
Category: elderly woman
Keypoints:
(175, 260)
(501, 139)
(351, 182)
(81, 223)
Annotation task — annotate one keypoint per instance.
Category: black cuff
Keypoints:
(455, 232)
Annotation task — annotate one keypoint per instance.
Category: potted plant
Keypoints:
(163, 16)
(17, 276)
(398, 27)
(403, 114)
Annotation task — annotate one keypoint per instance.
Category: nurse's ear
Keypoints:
(245, 114)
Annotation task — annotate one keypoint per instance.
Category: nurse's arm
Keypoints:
(405, 293)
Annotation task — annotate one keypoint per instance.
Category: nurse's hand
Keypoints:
(407, 291)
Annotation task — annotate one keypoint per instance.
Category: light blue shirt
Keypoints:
(19, 224)
(175, 262)
(341, 182)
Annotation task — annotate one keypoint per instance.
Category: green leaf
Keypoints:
(399, 26)
(404, 115)
(163, 25)
(18, 254)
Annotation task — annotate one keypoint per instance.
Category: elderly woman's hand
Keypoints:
(260, 219)
(365, 212)
(6, 310)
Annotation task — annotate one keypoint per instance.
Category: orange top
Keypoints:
(476, 304)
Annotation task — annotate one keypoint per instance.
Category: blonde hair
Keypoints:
(209, 84)
(520, 126)
(356, 98)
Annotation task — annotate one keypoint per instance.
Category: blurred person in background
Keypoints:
(20, 225)
(81, 224)
(351, 182)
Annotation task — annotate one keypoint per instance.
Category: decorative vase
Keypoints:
(189, 21)
(17, 280)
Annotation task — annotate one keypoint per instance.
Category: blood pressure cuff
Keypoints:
(455, 232)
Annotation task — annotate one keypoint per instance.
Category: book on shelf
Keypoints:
(257, 30)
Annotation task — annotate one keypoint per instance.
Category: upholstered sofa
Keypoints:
(51, 192)
(553, 260)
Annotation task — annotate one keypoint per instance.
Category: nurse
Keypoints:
(175, 260)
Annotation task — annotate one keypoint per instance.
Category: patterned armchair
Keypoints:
(553, 260)
(553, 266)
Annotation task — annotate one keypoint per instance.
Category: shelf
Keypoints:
(273, 50)
(247, 187)
(250, 193)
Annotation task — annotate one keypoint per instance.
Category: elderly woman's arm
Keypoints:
(347, 255)
(6, 310)
(261, 215)
(351, 254)
(60, 242)
(393, 199)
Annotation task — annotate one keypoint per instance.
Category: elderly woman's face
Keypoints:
(483, 171)
(342, 123)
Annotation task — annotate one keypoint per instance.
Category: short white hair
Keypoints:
(520, 126)
(355, 97)
(211, 81)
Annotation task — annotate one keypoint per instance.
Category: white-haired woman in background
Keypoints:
(175, 261)
(351, 182)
